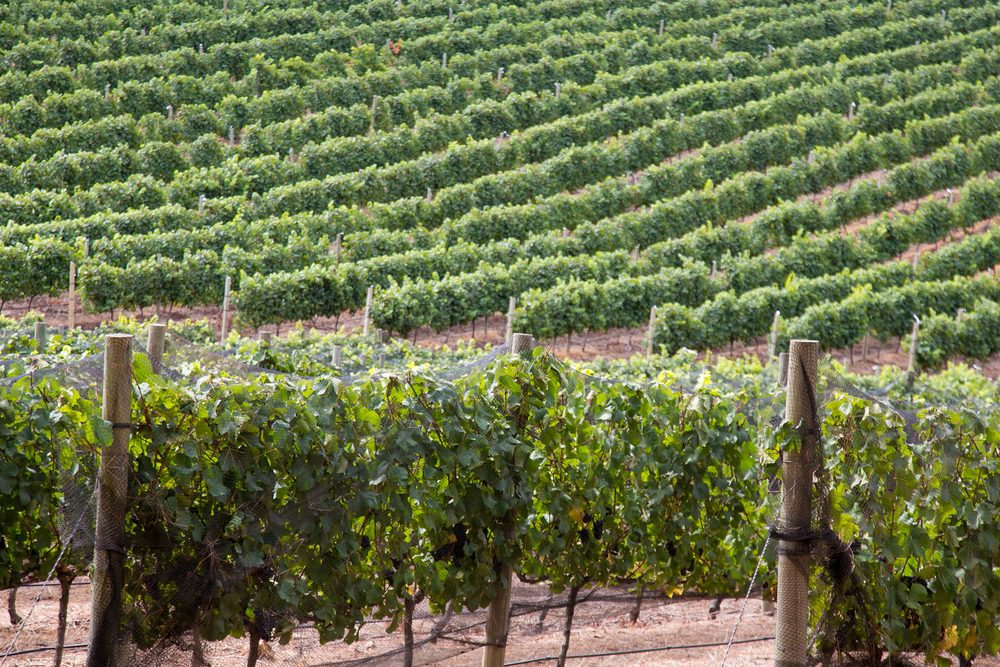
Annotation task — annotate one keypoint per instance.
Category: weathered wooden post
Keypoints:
(368, 309)
(498, 618)
(225, 308)
(792, 618)
(508, 337)
(265, 337)
(911, 362)
(155, 340)
(71, 307)
(772, 347)
(41, 335)
(338, 352)
(651, 333)
(108, 573)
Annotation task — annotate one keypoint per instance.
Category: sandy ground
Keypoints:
(600, 627)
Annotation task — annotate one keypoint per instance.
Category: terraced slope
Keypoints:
(591, 159)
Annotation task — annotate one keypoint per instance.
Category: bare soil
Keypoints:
(599, 627)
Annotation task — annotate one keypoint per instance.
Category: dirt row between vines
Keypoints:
(599, 627)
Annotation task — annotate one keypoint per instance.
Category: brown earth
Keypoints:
(599, 627)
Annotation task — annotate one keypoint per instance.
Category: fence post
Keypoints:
(783, 369)
(109, 545)
(508, 336)
(767, 602)
(337, 353)
(225, 309)
(651, 335)
(498, 618)
(265, 337)
(41, 335)
(368, 308)
(772, 347)
(911, 362)
(71, 311)
(792, 618)
(154, 345)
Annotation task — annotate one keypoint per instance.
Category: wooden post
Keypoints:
(371, 123)
(86, 246)
(772, 350)
(71, 307)
(558, 87)
(338, 352)
(265, 337)
(444, 59)
(368, 309)
(660, 33)
(156, 337)
(916, 260)
(959, 315)
(108, 572)
(498, 618)
(225, 309)
(508, 336)
(911, 363)
(783, 369)
(792, 618)
(41, 335)
(201, 204)
(715, 39)
(651, 334)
